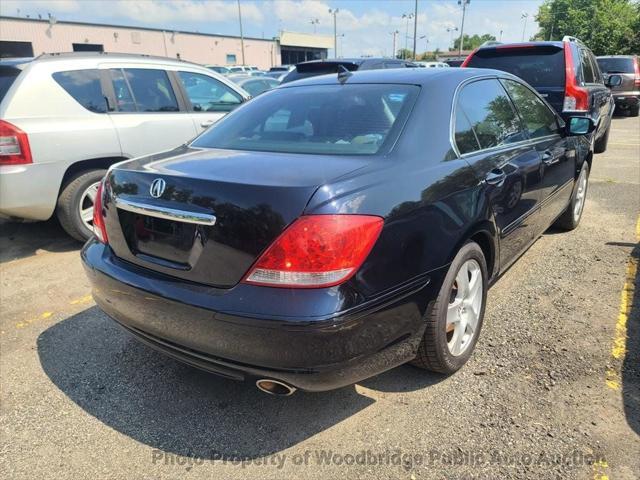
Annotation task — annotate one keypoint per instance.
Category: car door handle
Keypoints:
(496, 177)
(548, 158)
(207, 123)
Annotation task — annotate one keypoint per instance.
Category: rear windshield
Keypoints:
(305, 70)
(7, 77)
(318, 119)
(538, 66)
(616, 65)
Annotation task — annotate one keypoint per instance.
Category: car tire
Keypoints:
(570, 218)
(634, 111)
(600, 145)
(75, 192)
(437, 351)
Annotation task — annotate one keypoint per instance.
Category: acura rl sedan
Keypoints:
(336, 227)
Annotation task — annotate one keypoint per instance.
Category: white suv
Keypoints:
(65, 118)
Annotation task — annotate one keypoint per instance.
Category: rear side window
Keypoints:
(124, 97)
(84, 87)
(207, 94)
(465, 138)
(588, 75)
(490, 111)
(7, 77)
(616, 65)
(538, 66)
(537, 117)
(352, 119)
(151, 90)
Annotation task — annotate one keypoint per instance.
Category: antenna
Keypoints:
(343, 74)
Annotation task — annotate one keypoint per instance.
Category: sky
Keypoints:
(367, 26)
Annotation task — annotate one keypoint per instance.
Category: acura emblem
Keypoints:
(157, 187)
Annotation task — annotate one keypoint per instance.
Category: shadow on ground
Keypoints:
(173, 407)
(21, 240)
(631, 365)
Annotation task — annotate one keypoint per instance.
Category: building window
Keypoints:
(15, 49)
(231, 59)
(88, 47)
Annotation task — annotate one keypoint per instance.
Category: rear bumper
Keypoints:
(29, 191)
(312, 351)
(626, 100)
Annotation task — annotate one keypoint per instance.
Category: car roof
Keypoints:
(499, 46)
(410, 76)
(357, 61)
(139, 58)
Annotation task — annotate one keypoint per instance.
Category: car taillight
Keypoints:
(576, 98)
(14, 145)
(317, 251)
(99, 228)
(636, 71)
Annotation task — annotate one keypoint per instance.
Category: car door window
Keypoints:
(151, 90)
(587, 69)
(491, 114)
(465, 138)
(84, 87)
(207, 94)
(124, 97)
(537, 117)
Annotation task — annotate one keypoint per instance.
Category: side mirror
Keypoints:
(580, 126)
(614, 81)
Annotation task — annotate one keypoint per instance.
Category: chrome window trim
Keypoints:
(165, 213)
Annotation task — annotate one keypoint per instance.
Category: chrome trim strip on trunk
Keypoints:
(165, 213)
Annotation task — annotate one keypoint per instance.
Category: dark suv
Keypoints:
(627, 94)
(565, 73)
(314, 68)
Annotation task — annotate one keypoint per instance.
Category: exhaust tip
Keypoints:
(274, 387)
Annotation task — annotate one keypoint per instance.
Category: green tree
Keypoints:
(404, 53)
(608, 27)
(471, 42)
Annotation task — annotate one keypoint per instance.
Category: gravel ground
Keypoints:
(542, 397)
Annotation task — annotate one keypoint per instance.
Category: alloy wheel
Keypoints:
(85, 206)
(465, 305)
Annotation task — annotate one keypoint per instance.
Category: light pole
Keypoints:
(464, 4)
(525, 16)
(314, 22)
(408, 16)
(241, 35)
(451, 30)
(415, 28)
(426, 46)
(395, 34)
(342, 37)
(335, 11)
(500, 35)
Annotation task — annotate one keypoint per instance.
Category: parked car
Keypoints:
(565, 73)
(241, 69)
(278, 75)
(322, 67)
(627, 94)
(219, 69)
(454, 63)
(432, 64)
(254, 85)
(65, 118)
(310, 240)
(282, 68)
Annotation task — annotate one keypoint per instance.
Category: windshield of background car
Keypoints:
(355, 119)
(538, 66)
(616, 65)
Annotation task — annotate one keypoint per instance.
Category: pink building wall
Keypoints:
(199, 48)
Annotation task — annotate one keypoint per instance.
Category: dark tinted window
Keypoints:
(588, 75)
(322, 119)
(465, 138)
(7, 77)
(489, 109)
(255, 87)
(616, 65)
(151, 90)
(124, 98)
(84, 87)
(207, 94)
(537, 117)
(538, 66)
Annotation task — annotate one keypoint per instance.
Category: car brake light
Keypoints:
(636, 70)
(99, 228)
(576, 98)
(317, 251)
(14, 145)
(468, 59)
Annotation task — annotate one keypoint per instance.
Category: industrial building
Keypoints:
(27, 37)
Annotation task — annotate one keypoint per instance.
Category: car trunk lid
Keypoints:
(217, 212)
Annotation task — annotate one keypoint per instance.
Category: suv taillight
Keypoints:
(576, 98)
(99, 228)
(14, 145)
(317, 251)
(636, 71)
